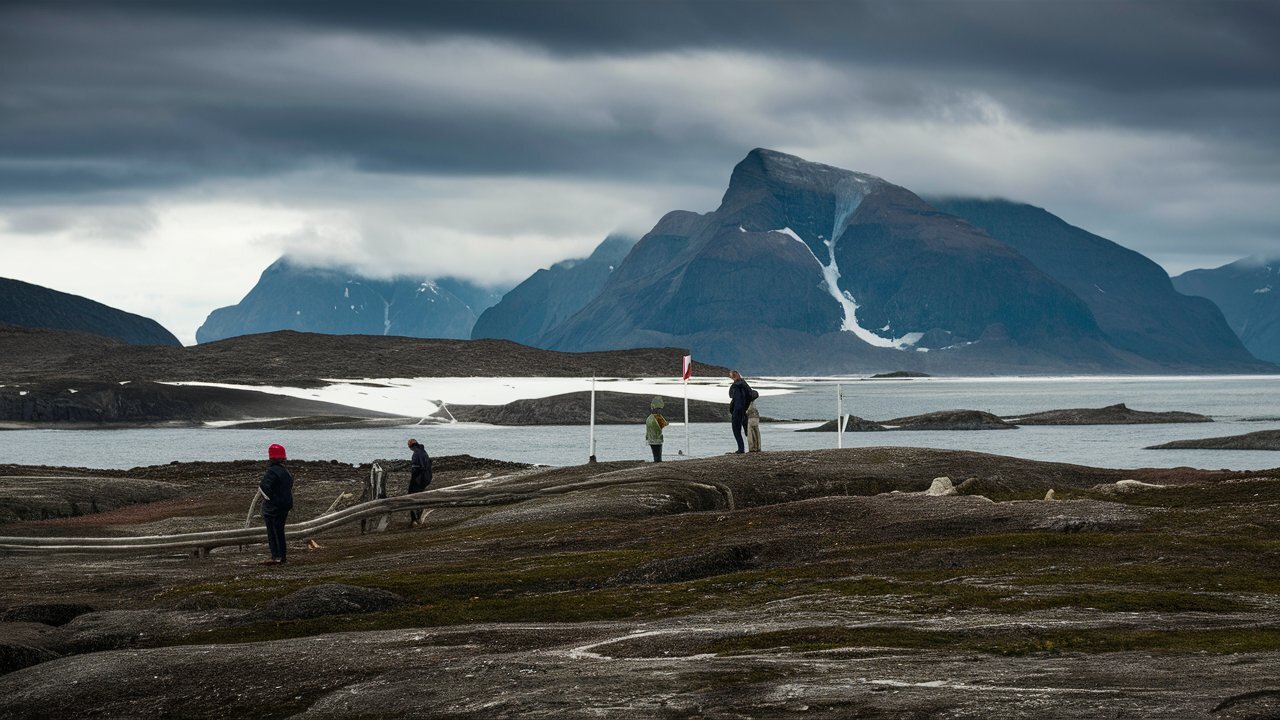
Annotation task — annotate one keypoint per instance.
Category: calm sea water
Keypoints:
(1237, 404)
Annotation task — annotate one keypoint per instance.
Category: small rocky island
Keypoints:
(1261, 440)
(941, 420)
(1119, 414)
(899, 375)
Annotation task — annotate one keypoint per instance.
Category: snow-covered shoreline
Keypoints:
(422, 397)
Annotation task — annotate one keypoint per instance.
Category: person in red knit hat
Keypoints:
(277, 500)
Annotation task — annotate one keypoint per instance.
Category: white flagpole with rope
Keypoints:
(686, 372)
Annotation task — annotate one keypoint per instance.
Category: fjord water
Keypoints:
(1238, 404)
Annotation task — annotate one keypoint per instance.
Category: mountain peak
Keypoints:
(794, 170)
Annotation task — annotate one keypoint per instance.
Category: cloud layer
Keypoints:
(490, 138)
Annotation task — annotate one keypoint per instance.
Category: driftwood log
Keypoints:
(200, 543)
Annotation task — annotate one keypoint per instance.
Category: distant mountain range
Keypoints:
(35, 306)
(804, 268)
(551, 295)
(1248, 291)
(336, 301)
(808, 268)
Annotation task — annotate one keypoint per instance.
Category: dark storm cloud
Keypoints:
(101, 96)
(99, 100)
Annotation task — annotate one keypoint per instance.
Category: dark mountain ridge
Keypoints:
(35, 306)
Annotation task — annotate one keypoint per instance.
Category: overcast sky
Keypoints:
(157, 156)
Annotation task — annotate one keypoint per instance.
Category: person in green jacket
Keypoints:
(653, 428)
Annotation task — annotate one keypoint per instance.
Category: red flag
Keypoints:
(686, 371)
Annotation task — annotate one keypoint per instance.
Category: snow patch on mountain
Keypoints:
(846, 205)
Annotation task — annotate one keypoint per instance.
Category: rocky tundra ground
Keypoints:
(824, 584)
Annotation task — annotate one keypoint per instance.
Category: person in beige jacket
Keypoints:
(753, 428)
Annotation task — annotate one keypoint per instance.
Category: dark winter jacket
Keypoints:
(277, 485)
(739, 396)
(420, 472)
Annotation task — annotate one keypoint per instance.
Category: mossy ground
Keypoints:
(1209, 548)
(1014, 574)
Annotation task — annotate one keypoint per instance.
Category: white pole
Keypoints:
(686, 417)
(839, 416)
(592, 453)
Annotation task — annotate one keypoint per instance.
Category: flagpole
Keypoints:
(686, 372)
(686, 417)
(592, 455)
(839, 416)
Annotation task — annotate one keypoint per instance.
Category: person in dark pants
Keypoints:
(653, 428)
(419, 476)
(740, 396)
(277, 500)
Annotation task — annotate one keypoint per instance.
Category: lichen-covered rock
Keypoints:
(328, 599)
(941, 486)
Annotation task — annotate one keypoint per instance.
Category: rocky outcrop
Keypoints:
(327, 599)
(34, 306)
(1262, 440)
(1248, 293)
(1118, 414)
(340, 301)
(551, 295)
